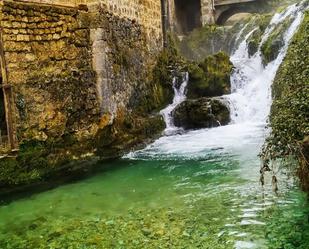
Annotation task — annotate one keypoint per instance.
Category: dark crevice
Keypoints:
(188, 15)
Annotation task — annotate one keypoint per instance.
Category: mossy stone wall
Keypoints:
(70, 106)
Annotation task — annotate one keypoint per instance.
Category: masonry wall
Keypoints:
(82, 86)
(207, 10)
(72, 71)
(49, 66)
(207, 14)
(146, 12)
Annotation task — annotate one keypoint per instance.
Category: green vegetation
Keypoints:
(208, 40)
(37, 160)
(271, 48)
(255, 38)
(210, 77)
(290, 110)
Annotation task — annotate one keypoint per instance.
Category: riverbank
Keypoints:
(289, 120)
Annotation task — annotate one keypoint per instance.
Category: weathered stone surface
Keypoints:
(83, 85)
(201, 113)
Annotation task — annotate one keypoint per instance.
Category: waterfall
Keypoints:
(249, 102)
(179, 97)
(251, 81)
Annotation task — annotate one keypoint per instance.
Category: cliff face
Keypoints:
(82, 82)
(289, 114)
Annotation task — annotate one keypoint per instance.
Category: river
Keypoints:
(196, 189)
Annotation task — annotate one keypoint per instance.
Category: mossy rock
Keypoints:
(272, 46)
(118, 138)
(211, 77)
(201, 113)
(158, 92)
(260, 23)
(208, 40)
(253, 42)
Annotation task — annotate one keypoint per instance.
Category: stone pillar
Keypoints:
(208, 12)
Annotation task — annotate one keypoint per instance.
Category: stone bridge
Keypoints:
(185, 15)
(224, 9)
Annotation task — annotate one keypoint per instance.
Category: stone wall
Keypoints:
(82, 85)
(49, 65)
(146, 12)
(207, 10)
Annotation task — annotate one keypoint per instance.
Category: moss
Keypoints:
(114, 140)
(271, 48)
(290, 108)
(211, 77)
(207, 40)
(258, 22)
(37, 160)
(254, 42)
(159, 92)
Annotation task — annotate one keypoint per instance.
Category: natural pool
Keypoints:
(196, 190)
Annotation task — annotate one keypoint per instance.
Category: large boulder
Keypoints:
(211, 77)
(201, 113)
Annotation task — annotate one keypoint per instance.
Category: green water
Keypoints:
(178, 193)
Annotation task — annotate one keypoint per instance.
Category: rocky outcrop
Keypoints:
(208, 40)
(272, 46)
(260, 24)
(211, 77)
(201, 113)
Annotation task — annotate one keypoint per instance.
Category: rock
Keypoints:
(272, 46)
(211, 77)
(254, 41)
(201, 113)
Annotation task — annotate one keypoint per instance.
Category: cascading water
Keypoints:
(251, 81)
(179, 97)
(250, 103)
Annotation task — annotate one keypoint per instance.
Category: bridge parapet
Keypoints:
(229, 2)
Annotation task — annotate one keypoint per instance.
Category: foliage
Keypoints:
(256, 37)
(208, 40)
(271, 48)
(211, 77)
(289, 120)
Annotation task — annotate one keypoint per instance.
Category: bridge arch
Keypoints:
(224, 11)
(227, 14)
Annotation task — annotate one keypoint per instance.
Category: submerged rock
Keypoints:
(201, 113)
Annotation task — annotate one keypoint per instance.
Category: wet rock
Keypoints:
(201, 113)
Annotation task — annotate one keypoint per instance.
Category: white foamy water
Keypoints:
(179, 97)
(251, 81)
